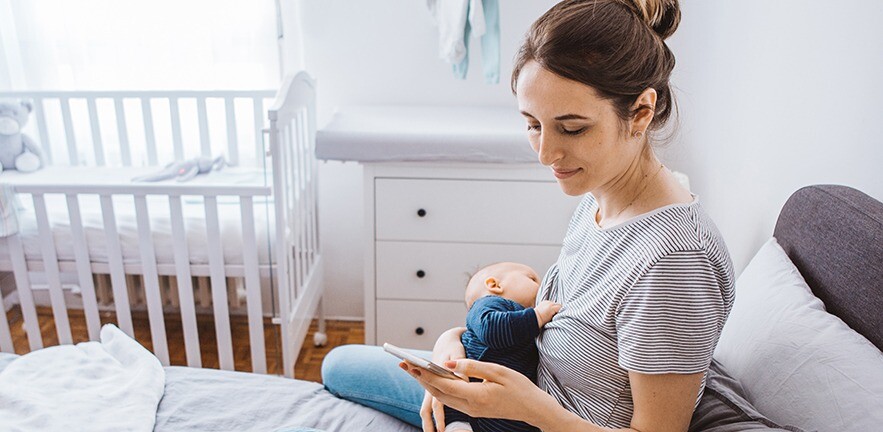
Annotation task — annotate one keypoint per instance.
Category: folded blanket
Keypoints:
(112, 385)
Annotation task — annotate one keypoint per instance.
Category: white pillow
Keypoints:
(798, 364)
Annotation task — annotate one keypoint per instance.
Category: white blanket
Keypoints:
(112, 385)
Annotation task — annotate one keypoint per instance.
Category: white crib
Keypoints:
(244, 234)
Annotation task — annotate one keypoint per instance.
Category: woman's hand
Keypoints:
(504, 393)
(447, 347)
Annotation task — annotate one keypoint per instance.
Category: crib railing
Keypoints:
(299, 269)
(152, 119)
(298, 262)
(148, 267)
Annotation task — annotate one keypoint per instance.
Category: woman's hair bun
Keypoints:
(663, 16)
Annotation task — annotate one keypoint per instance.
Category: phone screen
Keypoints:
(419, 362)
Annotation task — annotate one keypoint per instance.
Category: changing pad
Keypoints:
(423, 133)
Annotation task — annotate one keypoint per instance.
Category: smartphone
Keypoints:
(419, 362)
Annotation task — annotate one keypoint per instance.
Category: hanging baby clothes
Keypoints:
(457, 21)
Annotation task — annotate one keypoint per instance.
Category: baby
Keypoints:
(502, 325)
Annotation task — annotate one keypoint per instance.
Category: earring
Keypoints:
(638, 134)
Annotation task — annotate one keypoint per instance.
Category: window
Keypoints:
(129, 44)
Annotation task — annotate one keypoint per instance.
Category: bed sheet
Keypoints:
(214, 400)
(160, 221)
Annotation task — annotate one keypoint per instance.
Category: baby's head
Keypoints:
(513, 281)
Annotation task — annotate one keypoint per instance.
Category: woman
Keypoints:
(644, 277)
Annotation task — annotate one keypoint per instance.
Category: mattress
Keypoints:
(193, 210)
(414, 133)
(214, 400)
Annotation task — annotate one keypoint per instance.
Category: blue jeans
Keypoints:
(368, 375)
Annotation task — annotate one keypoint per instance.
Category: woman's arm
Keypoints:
(663, 403)
(447, 347)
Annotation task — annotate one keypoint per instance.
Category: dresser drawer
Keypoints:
(481, 211)
(439, 271)
(416, 324)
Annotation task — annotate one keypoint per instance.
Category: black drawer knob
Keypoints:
(421, 212)
(421, 273)
(418, 330)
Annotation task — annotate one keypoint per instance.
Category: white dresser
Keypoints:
(479, 198)
(436, 224)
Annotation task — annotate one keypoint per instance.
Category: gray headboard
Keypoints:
(834, 235)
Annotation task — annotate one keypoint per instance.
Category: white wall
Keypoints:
(773, 96)
(777, 95)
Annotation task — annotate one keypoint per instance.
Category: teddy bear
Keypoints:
(17, 150)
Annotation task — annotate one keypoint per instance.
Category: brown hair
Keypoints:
(617, 47)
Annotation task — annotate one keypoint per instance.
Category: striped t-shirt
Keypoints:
(649, 295)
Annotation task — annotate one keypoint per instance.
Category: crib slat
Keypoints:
(97, 145)
(204, 142)
(149, 138)
(311, 200)
(294, 210)
(41, 126)
(314, 192)
(117, 272)
(184, 282)
(232, 139)
(252, 286)
(84, 270)
(151, 282)
(289, 174)
(71, 139)
(123, 131)
(25, 296)
(50, 267)
(258, 104)
(282, 247)
(219, 285)
(301, 202)
(175, 115)
(305, 167)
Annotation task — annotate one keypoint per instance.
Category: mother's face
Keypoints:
(573, 130)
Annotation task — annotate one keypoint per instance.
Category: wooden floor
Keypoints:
(308, 365)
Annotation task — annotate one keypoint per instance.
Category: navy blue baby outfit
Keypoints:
(499, 331)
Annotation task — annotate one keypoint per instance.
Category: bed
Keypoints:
(240, 240)
(831, 233)
(199, 399)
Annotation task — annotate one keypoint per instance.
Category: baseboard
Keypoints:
(344, 318)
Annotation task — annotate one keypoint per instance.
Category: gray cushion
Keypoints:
(834, 236)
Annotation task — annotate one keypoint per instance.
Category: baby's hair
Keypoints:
(478, 268)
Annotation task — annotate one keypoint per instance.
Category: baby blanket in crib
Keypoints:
(112, 385)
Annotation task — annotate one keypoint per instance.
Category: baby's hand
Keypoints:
(545, 311)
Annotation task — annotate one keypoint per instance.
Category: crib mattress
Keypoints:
(414, 133)
(193, 210)
(213, 400)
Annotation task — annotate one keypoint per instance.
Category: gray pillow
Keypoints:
(723, 408)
